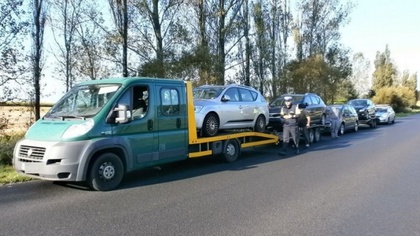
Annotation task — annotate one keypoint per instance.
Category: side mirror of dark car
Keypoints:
(302, 106)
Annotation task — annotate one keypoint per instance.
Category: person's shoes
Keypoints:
(307, 145)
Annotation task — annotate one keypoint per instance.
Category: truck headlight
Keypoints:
(197, 109)
(78, 130)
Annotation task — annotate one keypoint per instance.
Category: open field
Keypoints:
(17, 119)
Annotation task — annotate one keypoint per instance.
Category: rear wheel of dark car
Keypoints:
(311, 135)
(342, 129)
(372, 123)
(211, 125)
(317, 135)
(323, 119)
(260, 124)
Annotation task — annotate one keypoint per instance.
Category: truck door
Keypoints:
(140, 133)
(172, 122)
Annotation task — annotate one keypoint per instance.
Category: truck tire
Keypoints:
(323, 119)
(311, 135)
(211, 125)
(231, 149)
(106, 172)
(260, 124)
(342, 129)
(373, 123)
(317, 135)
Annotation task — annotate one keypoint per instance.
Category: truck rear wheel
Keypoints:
(231, 150)
(317, 135)
(106, 172)
(311, 135)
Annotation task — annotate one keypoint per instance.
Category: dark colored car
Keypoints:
(311, 102)
(350, 119)
(366, 110)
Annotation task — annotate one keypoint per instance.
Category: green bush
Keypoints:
(400, 98)
(7, 144)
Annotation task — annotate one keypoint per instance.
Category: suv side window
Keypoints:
(307, 100)
(315, 100)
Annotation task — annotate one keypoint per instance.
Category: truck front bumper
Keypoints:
(57, 161)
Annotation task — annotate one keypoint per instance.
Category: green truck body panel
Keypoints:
(159, 136)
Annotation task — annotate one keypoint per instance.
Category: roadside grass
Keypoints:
(9, 175)
(408, 113)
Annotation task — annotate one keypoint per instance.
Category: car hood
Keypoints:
(359, 107)
(274, 111)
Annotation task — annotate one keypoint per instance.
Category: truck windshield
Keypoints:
(83, 101)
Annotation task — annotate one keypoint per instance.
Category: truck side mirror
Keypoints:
(123, 114)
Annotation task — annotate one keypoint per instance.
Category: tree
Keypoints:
(119, 11)
(12, 56)
(91, 62)
(320, 23)
(385, 71)
(261, 53)
(409, 80)
(360, 76)
(39, 14)
(68, 13)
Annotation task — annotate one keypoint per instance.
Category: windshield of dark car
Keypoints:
(207, 93)
(358, 103)
(280, 101)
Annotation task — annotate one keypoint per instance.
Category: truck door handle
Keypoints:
(150, 125)
(178, 123)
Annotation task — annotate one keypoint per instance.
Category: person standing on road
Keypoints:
(335, 121)
(304, 122)
(289, 113)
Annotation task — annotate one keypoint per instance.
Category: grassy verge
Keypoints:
(9, 175)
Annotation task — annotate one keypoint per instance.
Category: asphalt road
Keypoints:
(366, 183)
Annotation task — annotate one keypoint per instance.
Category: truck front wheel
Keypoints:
(231, 150)
(106, 172)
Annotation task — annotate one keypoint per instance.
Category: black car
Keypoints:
(366, 110)
(311, 102)
(349, 121)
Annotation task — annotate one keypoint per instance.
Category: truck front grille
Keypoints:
(31, 153)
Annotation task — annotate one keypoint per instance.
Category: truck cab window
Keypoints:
(170, 101)
(140, 102)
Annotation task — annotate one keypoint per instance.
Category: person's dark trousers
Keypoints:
(287, 132)
(305, 134)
